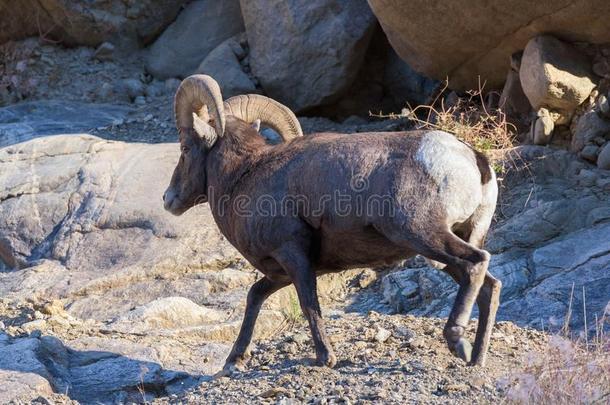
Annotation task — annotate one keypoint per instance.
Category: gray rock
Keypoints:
(554, 74)
(132, 87)
(306, 54)
(104, 52)
(200, 27)
(107, 378)
(603, 160)
(514, 102)
(588, 127)
(21, 356)
(403, 84)
(126, 24)
(171, 85)
(166, 313)
(24, 121)
(542, 128)
(100, 225)
(590, 153)
(425, 33)
(587, 178)
(604, 105)
(223, 65)
(155, 89)
(20, 387)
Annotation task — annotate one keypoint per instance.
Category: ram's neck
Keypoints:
(231, 159)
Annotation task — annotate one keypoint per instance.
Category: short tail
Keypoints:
(484, 167)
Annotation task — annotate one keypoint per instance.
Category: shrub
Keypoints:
(468, 118)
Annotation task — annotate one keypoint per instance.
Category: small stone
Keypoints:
(38, 315)
(299, 338)
(172, 84)
(542, 128)
(603, 159)
(237, 49)
(602, 68)
(604, 106)
(105, 91)
(367, 277)
(382, 335)
(34, 325)
(587, 178)
(604, 184)
(140, 100)
(54, 307)
(133, 88)
(57, 320)
(406, 334)
(273, 392)
(104, 52)
(147, 117)
(590, 153)
(457, 387)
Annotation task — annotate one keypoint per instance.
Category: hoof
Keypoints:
(329, 360)
(230, 369)
(479, 360)
(463, 349)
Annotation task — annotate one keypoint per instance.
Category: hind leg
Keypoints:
(488, 302)
(469, 264)
(488, 299)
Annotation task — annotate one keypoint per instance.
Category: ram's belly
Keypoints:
(357, 248)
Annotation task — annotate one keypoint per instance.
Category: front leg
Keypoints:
(257, 295)
(296, 264)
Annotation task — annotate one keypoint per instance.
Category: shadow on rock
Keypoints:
(43, 366)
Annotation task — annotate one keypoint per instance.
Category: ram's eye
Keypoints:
(184, 149)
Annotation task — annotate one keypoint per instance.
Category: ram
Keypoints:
(329, 202)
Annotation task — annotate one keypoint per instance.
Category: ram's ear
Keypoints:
(205, 131)
(256, 125)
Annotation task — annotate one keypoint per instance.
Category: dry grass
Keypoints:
(469, 118)
(567, 372)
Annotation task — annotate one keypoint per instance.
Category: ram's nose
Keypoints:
(168, 198)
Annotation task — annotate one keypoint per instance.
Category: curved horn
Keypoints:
(194, 93)
(277, 116)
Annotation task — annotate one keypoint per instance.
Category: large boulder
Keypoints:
(100, 227)
(464, 40)
(87, 23)
(224, 66)
(199, 28)
(166, 313)
(555, 75)
(306, 54)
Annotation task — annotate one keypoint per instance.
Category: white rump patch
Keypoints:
(453, 167)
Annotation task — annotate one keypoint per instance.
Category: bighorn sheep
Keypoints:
(435, 197)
